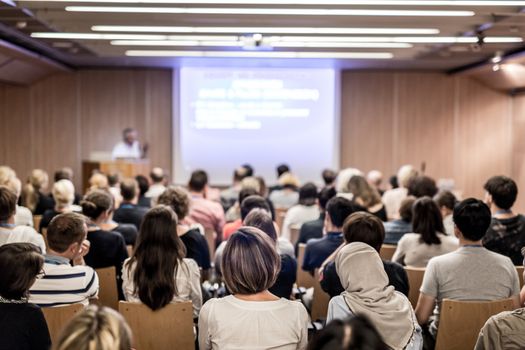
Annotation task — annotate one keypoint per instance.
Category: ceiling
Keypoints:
(21, 19)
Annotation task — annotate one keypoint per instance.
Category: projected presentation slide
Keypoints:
(264, 117)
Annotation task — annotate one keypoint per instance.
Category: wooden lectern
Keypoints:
(125, 168)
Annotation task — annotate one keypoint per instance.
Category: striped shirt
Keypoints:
(64, 284)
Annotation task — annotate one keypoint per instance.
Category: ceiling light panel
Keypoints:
(260, 54)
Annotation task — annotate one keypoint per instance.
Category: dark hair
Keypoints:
(329, 176)
(446, 199)
(325, 195)
(113, 179)
(249, 169)
(392, 180)
(7, 203)
(252, 202)
(405, 210)
(472, 217)
(64, 230)
(339, 208)
(262, 220)
(198, 181)
(63, 174)
(427, 220)
(128, 189)
(307, 194)
(157, 255)
(246, 192)
(421, 186)
(366, 228)
(177, 199)
(143, 184)
(334, 336)
(503, 191)
(20, 263)
(282, 168)
(126, 131)
(95, 203)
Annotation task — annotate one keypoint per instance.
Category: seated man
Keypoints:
(63, 284)
(158, 183)
(361, 228)
(505, 330)
(129, 211)
(469, 273)
(446, 202)
(395, 229)
(231, 227)
(506, 233)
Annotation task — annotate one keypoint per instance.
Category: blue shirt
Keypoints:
(394, 230)
(317, 250)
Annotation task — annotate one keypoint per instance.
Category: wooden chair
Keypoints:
(168, 328)
(304, 278)
(211, 237)
(415, 278)
(36, 221)
(387, 251)
(461, 321)
(280, 213)
(294, 233)
(108, 293)
(58, 317)
(520, 270)
(44, 235)
(320, 300)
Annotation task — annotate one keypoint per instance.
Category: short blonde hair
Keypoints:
(98, 328)
(6, 174)
(288, 179)
(404, 174)
(63, 193)
(250, 263)
(98, 181)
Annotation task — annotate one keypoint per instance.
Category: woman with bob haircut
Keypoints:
(97, 327)
(157, 272)
(22, 324)
(429, 238)
(252, 315)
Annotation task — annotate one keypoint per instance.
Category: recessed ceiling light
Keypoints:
(260, 54)
(269, 43)
(311, 2)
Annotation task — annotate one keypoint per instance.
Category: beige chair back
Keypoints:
(210, 239)
(294, 233)
(520, 274)
(129, 248)
(415, 279)
(387, 251)
(168, 328)
(280, 213)
(36, 222)
(320, 300)
(58, 317)
(107, 294)
(304, 278)
(44, 235)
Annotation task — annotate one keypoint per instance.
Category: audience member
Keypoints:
(375, 179)
(329, 177)
(234, 213)
(367, 292)
(22, 324)
(97, 327)
(281, 169)
(66, 173)
(305, 210)
(64, 196)
(366, 228)
(394, 230)
(114, 189)
(343, 179)
(506, 233)
(366, 196)
(286, 196)
(129, 211)
(392, 182)
(422, 186)
(196, 245)
(229, 196)
(66, 279)
(263, 192)
(446, 202)
(143, 183)
(6, 174)
(23, 216)
(98, 181)
(157, 272)
(471, 272)
(393, 197)
(249, 169)
(9, 232)
(33, 196)
(230, 227)
(252, 315)
(504, 331)
(428, 240)
(158, 183)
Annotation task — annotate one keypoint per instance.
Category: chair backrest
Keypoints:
(44, 235)
(168, 328)
(387, 251)
(58, 317)
(320, 300)
(294, 233)
(107, 294)
(461, 321)
(129, 248)
(210, 236)
(280, 213)
(415, 278)
(304, 278)
(36, 221)
(520, 274)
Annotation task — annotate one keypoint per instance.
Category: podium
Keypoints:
(125, 168)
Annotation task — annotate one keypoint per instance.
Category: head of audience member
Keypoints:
(421, 186)
(472, 219)
(7, 205)
(353, 333)
(15, 185)
(113, 180)
(98, 181)
(158, 253)
(375, 178)
(129, 136)
(64, 194)
(427, 220)
(263, 190)
(6, 174)
(251, 182)
(392, 181)
(36, 184)
(259, 218)
(239, 174)
(96, 327)
(65, 173)
(364, 194)
(129, 190)
(253, 202)
(366, 228)
(329, 177)
(337, 210)
(177, 199)
(404, 174)
(250, 263)
(446, 202)
(324, 196)
(308, 194)
(143, 183)
(289, 181)
(65, 235)
(245, 192)
(157, 176)
(501, 193)
(97, 206)
(343, 178)
(198, 181)
(249, 169)
(281, 169)
(20, 265)
(405, 209)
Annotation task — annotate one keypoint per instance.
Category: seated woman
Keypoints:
(22, 325)
(367, 292)
(429, 239)
(252, 315)
(33, 196)
(97, 327)
(157, 272)
(306, 210)
(367, 196)
(287, 195)
(64, 195)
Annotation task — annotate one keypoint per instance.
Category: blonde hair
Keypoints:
(404, 174)
(6, 174)
(251, 182)
(37, 181)
(360, 188)
(15, 185)
(288, 179)
(96, 328)
(343, 178)
(63, 193)
(98, 181)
